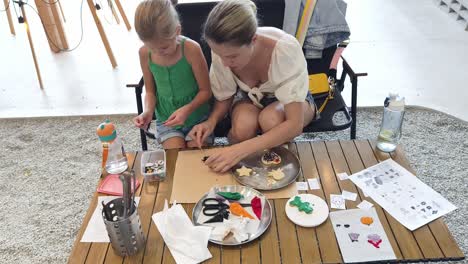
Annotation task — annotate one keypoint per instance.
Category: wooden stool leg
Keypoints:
(45, 13)
(122, 13)
(38, 72)
(59, 25)
(9, 4)
(102, 33)
(114, 13)
(61, 11)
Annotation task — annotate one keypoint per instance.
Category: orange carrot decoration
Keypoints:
(238, 210)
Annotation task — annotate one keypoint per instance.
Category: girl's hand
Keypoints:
(226, 158)
(178, 117)
(143, 120)
(200, 132)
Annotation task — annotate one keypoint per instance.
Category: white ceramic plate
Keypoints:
(318, 215)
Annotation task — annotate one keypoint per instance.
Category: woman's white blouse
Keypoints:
(287, 76)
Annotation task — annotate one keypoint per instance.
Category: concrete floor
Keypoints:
(410, 47)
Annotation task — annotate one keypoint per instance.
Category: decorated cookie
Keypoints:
(302, 206)
(277, 174)
(271, 158)
(366, 220)
(244, 171)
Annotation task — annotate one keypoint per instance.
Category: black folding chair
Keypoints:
(270, 13)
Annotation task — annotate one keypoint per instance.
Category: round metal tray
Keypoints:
(248, 194)
(289, 164)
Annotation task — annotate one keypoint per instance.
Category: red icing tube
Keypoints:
(257, 207)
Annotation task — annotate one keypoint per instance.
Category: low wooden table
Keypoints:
(284, 241)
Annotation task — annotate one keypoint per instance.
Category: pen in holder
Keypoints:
(123, 222)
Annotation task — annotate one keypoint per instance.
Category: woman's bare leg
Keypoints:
(244, 122)
(273, 115)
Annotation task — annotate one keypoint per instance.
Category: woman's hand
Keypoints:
(143, 120)
(200, 132)
(178, 117)
(225, 158)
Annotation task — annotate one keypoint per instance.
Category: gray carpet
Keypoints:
(49, 169)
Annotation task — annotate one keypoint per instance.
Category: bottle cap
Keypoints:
(397, 103)
(106, 131)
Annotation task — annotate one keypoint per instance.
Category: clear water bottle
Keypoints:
(392, 121)
(113, 159)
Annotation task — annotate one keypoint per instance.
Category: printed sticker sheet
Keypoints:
(401, 194)
(361, 236)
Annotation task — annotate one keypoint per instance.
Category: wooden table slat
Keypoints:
(287, 234)
(406, 241)
(446, 242)
(355, 165)
(269, 242)
(155, 249)
(307, 237)
(339, 165)
(435, 240)
(167, 256)
(80, 251)
(215, 251)
(97, 252)
(231, 255)
(328, 244)
(154, 241)
(112, 257)
(145, 209)
(425, 239)
(250, 252)
(329, 250)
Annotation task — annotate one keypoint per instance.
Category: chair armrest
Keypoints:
(139, 85)
(138, 91)
(350, 71)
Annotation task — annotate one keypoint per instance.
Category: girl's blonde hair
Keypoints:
(232, 21)
(156, 19)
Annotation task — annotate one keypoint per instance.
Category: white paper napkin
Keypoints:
(187, 243)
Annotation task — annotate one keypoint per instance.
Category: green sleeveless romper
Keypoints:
(176, 86)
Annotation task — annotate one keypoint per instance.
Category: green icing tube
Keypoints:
(231, 195)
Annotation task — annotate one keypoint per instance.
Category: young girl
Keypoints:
(175, 74)
(259, 76)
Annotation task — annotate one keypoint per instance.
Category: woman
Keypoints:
(259, 76)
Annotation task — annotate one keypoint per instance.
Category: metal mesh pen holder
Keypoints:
(124, 232)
